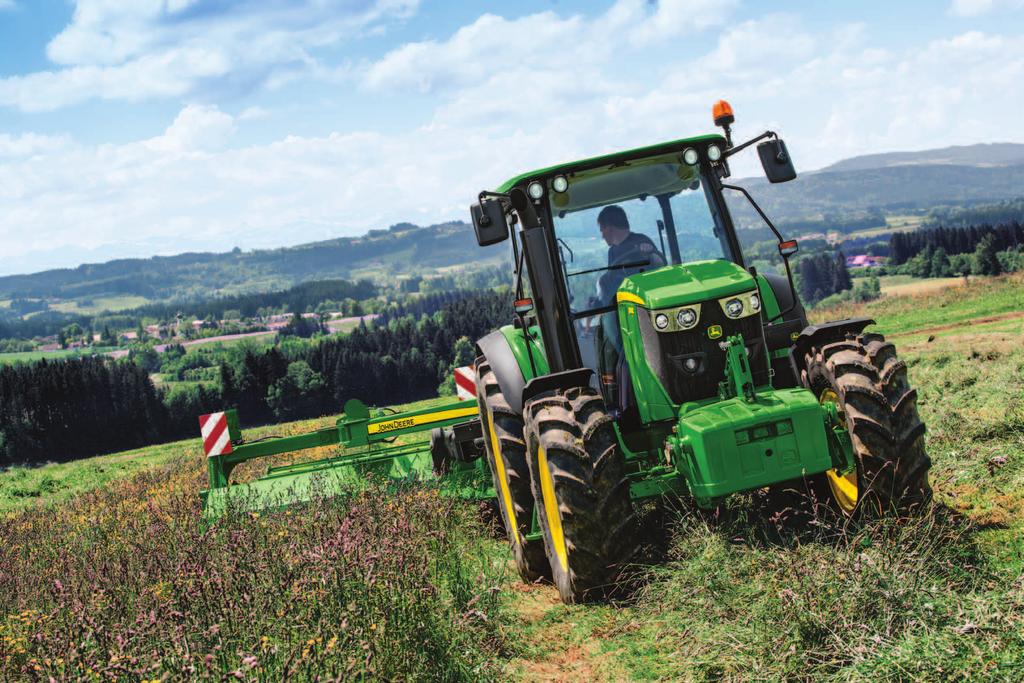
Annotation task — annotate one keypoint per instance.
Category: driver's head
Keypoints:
(613, 224)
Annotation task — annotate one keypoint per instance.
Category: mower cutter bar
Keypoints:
(371, 436)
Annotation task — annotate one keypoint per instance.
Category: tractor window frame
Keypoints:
(714, 200)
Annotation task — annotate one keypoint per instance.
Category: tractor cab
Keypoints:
(619, 220)
(645, 227)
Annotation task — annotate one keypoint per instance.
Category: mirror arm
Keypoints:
(739, 148)
(518, 254)
(768, 222)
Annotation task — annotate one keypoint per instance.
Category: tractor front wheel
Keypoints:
(505, 450)
(582, 495)
(862, 375)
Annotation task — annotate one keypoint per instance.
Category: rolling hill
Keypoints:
(870, 185)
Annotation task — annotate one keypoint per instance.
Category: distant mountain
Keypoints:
(855, 192)
(993, 154)
(892, 183)
(380, 255)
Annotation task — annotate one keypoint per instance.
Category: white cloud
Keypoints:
(7, 5)
(151, 48)
(673, 18)
(253, 113)
(29, 144)
(196, 128)
(976, 8)
(512, 94)
(539, 45)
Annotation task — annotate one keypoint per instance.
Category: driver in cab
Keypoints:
(625, 248)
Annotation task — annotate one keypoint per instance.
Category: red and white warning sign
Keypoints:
(465, 382)
(216, 439)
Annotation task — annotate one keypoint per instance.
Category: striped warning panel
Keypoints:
(465, 382)
(216, 439)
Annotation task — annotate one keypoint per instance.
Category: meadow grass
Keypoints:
(115, 576)
(127, 583)
(978, 299)
(31, 356)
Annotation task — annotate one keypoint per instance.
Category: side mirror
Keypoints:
(778, 166)
(788, 248)
(489, 222)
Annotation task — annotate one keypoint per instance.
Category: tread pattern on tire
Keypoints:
(591, 489)
(531, 561)
(881, 414)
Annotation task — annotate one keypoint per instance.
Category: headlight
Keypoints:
(559, 184)
(686, 317)
(690, 156)
(661, 321)
(535, 190)
(734, 308)
(755, 302)
(714, 152)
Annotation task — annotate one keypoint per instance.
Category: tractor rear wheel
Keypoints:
(862, 375)
(505, 450)
(583, 505)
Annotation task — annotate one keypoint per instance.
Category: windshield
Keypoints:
(612, 222)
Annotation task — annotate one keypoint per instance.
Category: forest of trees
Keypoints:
(821, 275)
(58, 410)
(977, 214)
(427, 304)
(963, 240)
(61, 410)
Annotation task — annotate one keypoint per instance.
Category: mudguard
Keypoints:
(496, 349)
(784, 297)
(816, 335)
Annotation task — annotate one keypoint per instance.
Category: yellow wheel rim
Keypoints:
(506, 492)
(843, 486)
(547, 489)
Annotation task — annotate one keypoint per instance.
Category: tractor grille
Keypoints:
(667, 352)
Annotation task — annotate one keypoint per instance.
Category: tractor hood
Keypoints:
(689, 283)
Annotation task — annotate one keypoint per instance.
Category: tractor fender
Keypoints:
(784, 297)
(496, 349)
(818, 335)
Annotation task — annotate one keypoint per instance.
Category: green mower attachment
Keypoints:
(371, 443)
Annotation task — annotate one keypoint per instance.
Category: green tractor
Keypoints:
(647, 357)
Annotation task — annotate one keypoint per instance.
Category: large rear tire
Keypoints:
(868, 383)
(505, 451)
(578, 476)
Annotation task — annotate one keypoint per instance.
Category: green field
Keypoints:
(100, 303)
(739, 595)
(28, 356)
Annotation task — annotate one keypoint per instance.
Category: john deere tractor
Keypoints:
(649, 357)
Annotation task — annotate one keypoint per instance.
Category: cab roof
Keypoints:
(638, 152)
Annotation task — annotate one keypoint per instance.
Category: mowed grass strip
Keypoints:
(979, 298)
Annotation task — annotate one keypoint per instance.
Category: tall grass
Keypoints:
(126, 583)
(745, 596)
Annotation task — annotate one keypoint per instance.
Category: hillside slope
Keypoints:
(404, 248)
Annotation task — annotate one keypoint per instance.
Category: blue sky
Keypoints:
(159, 126)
